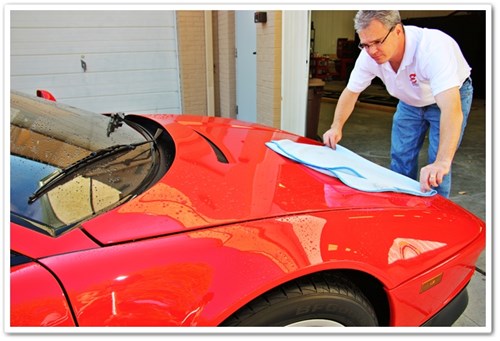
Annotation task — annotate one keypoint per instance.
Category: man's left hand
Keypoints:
(432, 175)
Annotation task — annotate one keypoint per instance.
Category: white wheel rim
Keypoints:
(316, 323)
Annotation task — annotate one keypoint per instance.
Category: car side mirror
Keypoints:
(45, 94)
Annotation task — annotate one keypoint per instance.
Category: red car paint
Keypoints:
(209, 237)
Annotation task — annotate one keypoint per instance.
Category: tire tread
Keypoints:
(315, 284)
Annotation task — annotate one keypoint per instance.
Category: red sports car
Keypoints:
(176, 220)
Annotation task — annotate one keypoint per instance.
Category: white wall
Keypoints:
(295, 71)
(329, 26)
(333, 24)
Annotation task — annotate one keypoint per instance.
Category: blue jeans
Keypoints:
(409, 127)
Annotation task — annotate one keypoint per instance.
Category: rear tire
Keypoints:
(317, 300)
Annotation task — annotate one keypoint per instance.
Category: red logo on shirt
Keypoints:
(413, 79)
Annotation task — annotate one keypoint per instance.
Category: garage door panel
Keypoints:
(74, 47)
(101, 95)
(55, 64)
(132, 103)
(63, 85)
(82, 18)
(91, 34)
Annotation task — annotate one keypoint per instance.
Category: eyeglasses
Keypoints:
(376, 43)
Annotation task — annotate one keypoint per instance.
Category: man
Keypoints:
(426, 71)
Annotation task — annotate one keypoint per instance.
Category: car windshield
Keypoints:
(47, 139)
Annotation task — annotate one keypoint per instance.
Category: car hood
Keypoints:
(223, 173)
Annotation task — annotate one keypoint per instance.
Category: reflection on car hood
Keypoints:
(251, 182)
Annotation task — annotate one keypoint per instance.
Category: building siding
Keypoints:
(227, 64)
(191, 41)
(269, 70)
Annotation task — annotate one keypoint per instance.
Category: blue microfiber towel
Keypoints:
(352, 169)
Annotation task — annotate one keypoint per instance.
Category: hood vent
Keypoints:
(218, 153)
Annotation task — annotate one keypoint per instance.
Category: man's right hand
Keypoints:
(332, 136)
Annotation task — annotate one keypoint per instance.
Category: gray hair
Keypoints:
(388, 18)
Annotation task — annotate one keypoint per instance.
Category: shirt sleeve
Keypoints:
(361, 76)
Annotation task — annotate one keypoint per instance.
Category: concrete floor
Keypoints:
(367, 132)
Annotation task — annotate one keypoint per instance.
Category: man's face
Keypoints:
(379, 41)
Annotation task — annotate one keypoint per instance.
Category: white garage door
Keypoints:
(103, 61)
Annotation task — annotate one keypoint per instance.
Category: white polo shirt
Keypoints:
(432, 63)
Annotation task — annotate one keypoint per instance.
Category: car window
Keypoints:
(46, 139)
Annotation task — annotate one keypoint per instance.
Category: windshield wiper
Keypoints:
(116, 121)
(89, 159)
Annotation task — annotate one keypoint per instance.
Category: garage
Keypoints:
(98, 60)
